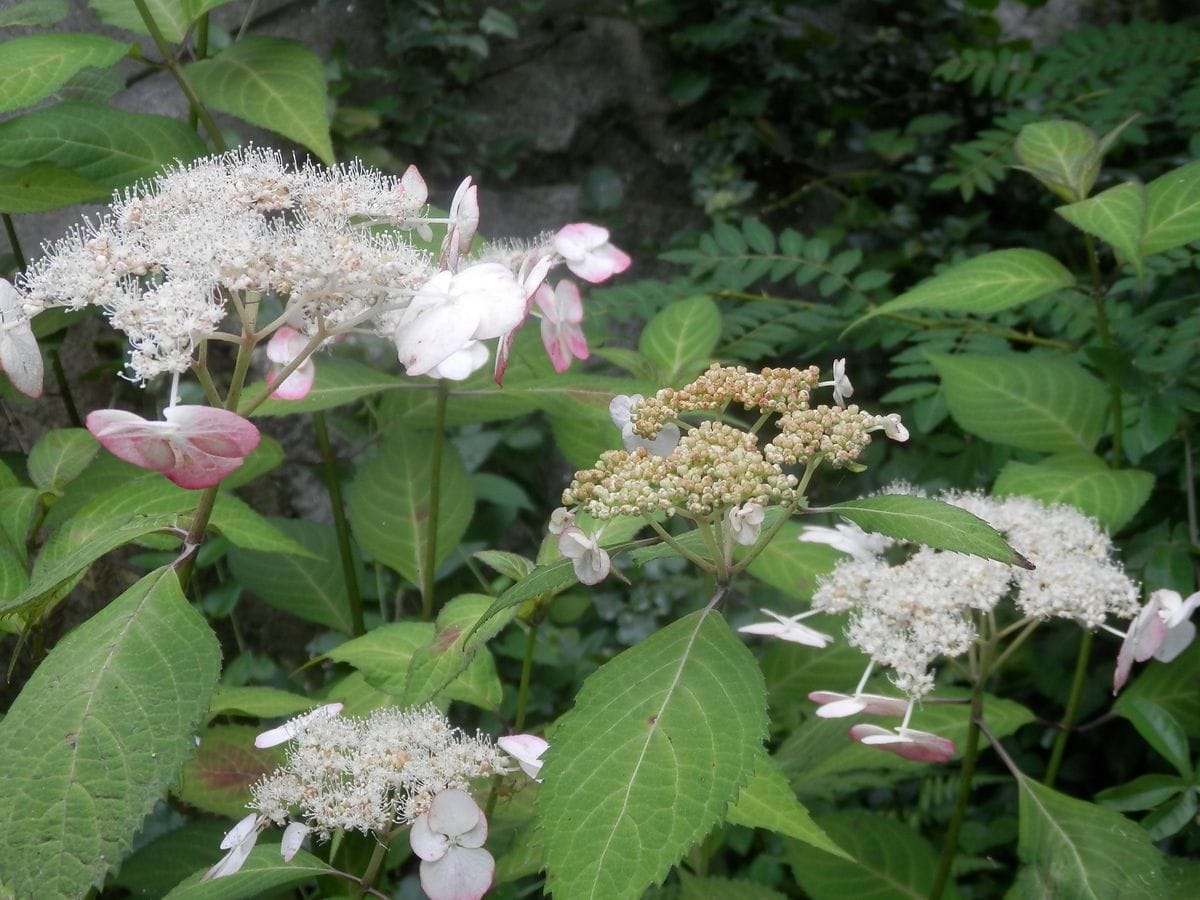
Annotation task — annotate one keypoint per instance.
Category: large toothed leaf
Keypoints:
(97, 735)
(1071, 848)
(263, 874)
(680, 338)
(1024, 401)
(273, 83)
(930, 522)
(885, 859)
(38, 187)
(338, 382)
(168, 15)
(311, 587)
(1172, 210)
(453, 652)
(34, 67)
(766, 801)
(59, 456)
(389, 502)
(110, 147)
(1063, 155)
(659, 742)
(226, 763)
(1171, 686)
(986, 284)
(1117, 216)
(1082, 480)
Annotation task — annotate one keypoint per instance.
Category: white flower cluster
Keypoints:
(906, 615)
(373, 773)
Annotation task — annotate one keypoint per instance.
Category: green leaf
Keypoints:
(1024, 401)
(19, 509)
(239, 524)
(1077, 849)
(792, 566)
(1117, 216)
(389, 503)
(550, 578)
(34, 67)
(1161, 731)
(59, 457)
(766, 801)
(38, 187)
(107, 146)
(886, 859)
(264, 873)
(194, 9)
(97, 735)
(930, 522)
(659, 742)
(226, 763)
(1171, 686)
(1082, 480)
(1062, 155)
(456, 649)
(168, 15)
(311, 587)
(154, 868)
(338, 381)
(1144, 792)
(986, 284)
(510, 565)
(682, 337)
(34, 12)
(1172, 210)
(274, 83)
(259, 701)
(711, 887)
(1172, 816)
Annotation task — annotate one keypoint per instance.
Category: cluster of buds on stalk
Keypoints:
(243, 249)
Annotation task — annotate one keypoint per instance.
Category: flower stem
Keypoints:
(683, 551)
(526, 673)
(373, 868)
(340, 526)
(436, 450)
(13, 241)
(1068, 719)
(64, 388)
(970, 756)
(1105, 334)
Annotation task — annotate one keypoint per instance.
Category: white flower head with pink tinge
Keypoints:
(284, 346)
(589, 560)
(195, 447)
(527, 750)
(587, 252)
(449, 840)
(909, 743)
(1162, 630)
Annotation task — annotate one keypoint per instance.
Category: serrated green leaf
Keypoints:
(1078, 849)
(711, 887)
(274, 83)
(1144, 792)
(258, 701)
(1117, 215)
(554, 577)
(38, 187)
(886, 859)
(338, 382)
(766, 801)
(1172, 210)
(1082, 480)
(154, 868)
(930, 522)
(264, 873)
(34, 67)
(168, 15)
(659, 741)
(389, 503)
(98, 733)
(218, 776)
(1024, 401)
(34, 12)
(19, 508)
(511, 565)
(455, 656)
(986, 284)
(265, 457)
(682, 336)
(1171, 686)
(311, 586)
(59, 456)
(239, 524)
(107, 146)
(1061, 154)
(793, 566)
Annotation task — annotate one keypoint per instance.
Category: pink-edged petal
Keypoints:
(215, 431)
(576, 341)
(918, 746)
(293, 837)
(464, 213)
(293, 727)
(462, 874)
(297, 385)
(788, 629)
(578, 239)
(1176, 641)
(601, 264)
(425, 842)
(836, 706)
(556, 347)
(149, 445)
(527, 750)
(453, 812)
(1173, 608)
